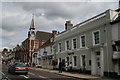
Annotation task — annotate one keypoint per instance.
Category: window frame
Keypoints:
(73, 44)
(66, 45)
(81, 60)
(81, 41)
(66, 59)
(93, 37)
(59, 50)
(73, 64)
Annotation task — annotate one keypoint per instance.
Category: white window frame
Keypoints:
(66, 45)
(73, 61)
(94, 37)
(81, 41)
(59, 47)
(66, 59)
(72, 43)
(81, 61)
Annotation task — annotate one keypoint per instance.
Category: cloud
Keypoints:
(59, 0)
(17, 17)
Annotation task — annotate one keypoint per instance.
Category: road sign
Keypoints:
(54, 48)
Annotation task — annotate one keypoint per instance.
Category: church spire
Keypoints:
(32, 26)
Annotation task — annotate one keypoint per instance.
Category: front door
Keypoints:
(98, 63)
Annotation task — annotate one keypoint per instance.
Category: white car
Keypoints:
(38, 66)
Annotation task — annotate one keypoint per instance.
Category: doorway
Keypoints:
(98, 62)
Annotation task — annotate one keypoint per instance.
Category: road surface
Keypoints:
(34, 75)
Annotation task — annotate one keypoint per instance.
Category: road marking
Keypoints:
(31, 73)
(24, 76)
(42, 76)
(2, 73)
(7, 78)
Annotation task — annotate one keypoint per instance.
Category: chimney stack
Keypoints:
(54, 32)
(68, 25)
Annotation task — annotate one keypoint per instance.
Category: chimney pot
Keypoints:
(68, 25)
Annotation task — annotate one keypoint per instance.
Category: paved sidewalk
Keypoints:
(75, 75)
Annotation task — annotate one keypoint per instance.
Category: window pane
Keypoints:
(75, 61)
(59, 47)
(82, 41)
(67, 45)
(74, 43)
(96, 37)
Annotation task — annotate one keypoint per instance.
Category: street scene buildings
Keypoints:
(89, 45)
(92, 46)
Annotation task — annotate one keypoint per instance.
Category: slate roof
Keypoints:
(40, 35)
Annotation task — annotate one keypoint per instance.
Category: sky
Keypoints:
(49, 15)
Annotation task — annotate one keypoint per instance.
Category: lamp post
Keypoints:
(54, 49)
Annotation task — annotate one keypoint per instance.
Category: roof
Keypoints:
(117, 20)
(48, 43)
(86, 21)
(40, 35)
(32, 26)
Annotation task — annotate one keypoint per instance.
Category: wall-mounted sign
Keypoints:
(54, 48)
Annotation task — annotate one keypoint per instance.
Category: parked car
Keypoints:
(18, 68)
(38, 66)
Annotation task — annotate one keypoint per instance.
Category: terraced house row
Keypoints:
(93, 46)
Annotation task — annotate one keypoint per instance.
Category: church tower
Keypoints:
(31, 37)
(31, 33)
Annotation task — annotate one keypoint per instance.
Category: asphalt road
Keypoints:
(34, 75)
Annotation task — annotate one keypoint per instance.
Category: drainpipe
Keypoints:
(107, 49)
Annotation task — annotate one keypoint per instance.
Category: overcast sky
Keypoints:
(16, 17)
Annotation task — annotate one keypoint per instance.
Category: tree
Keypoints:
(5, 49)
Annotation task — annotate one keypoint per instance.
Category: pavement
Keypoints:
(75, 75)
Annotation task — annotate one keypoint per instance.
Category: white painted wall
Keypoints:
(119, 30)
(115, 33)
(102, 61)
(93, 62)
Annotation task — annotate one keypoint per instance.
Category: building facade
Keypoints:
(45, 55)
(30, 45)
(88, 45)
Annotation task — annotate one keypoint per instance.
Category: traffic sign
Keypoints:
(54, 48)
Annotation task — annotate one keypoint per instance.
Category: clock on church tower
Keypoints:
(31, 32)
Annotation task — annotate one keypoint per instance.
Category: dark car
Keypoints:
(18, 68)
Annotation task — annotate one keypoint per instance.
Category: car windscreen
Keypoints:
(20, 65)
